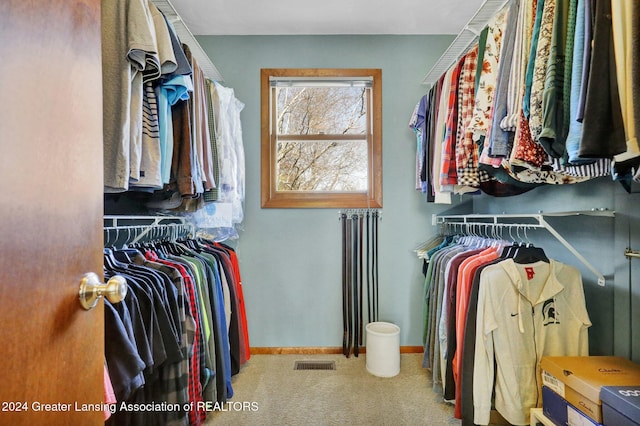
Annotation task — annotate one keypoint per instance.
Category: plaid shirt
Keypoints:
(466, 150)
(448, 174)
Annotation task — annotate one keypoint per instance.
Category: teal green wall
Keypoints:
(290, 259)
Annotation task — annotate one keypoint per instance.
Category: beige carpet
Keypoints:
(268, 391)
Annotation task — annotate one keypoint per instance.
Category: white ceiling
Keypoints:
(271, 17)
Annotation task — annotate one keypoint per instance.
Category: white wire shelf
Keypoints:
(464, 40)
(186, 37)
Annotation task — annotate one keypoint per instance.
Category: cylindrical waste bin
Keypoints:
(383, 349)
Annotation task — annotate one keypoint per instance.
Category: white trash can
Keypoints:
(383, 349)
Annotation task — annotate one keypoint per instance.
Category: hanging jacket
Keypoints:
(525, 312)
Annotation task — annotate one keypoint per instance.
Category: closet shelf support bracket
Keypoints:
(581, 258)
(632, 253)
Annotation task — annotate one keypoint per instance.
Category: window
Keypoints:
(321, 138)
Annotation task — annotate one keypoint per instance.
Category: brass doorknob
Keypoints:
(91, 290)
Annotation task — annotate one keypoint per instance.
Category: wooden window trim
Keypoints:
(270, 198)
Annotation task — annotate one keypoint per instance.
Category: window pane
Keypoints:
(326, 165)
(321, 138)
(321, 110)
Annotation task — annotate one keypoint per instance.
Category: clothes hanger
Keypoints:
(528, 253)
(477, 240)
(509, 250)
(108, 238)
(175, 248)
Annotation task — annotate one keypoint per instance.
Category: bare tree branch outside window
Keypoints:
(321, 165)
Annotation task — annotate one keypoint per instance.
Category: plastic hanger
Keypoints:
(528, 253)
(510, 250)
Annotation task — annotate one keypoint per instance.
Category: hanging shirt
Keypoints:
(418, 124)
(589, 18)
(623, 13)
(213, 194)
(500, 140)
(575, 126)
(598, 168)
(447, 321)
(436, 297)
(489, 73)
(149, 169)
(533, 49)
(552, 127)
(540, 68)
(468, 353)
(482, 121)
(145, 61)
(603, 128)
(123, 60)
(172, 87)
(522, 45)
(169, 93)
(181, 164)
(440, 196)
(200, 131)
(123, 361)
(426, 172)
(466, 274)
(240, 297)
(448, 175)
(466, 151)
(526, 152)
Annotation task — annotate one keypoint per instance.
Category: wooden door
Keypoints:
(51, 350)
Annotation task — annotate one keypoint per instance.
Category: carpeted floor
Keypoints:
(268, 391)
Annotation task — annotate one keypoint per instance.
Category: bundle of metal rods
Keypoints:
(359, 275)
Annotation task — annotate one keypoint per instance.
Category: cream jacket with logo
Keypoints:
(525, 312)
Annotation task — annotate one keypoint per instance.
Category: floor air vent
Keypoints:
(315, 365)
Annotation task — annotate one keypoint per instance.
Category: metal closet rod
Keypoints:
(470, 227)
(363, 211)
(538, 220)
(146, 224)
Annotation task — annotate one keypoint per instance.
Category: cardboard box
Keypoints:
(621, 405)
(579, 379)
(560, 412)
